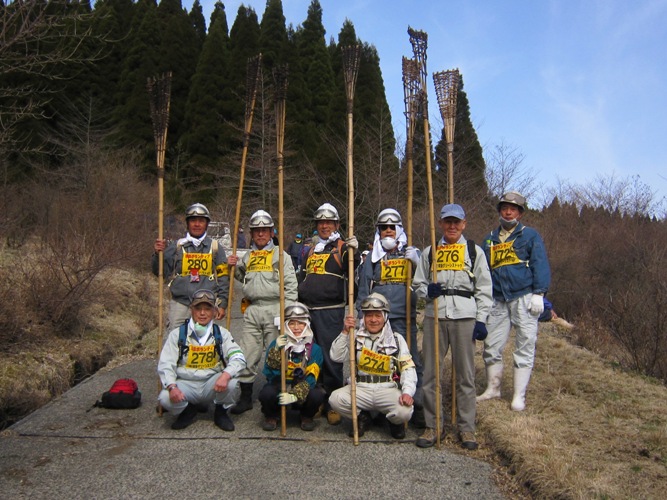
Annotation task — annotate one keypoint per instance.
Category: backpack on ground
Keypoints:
(123, 395)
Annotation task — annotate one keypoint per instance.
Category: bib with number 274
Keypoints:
(374, 363)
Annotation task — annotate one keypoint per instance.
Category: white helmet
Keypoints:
(375, 302)
(197, 210)
(297, 311)
(389, 216)
(259, 219)
(326, 212)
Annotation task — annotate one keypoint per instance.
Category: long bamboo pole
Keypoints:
(411, 98)
(419, 41)
(446, 90)
(253, 76)
(159, 90)
(280, 90)
(351, 55)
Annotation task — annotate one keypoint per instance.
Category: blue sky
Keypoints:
(578, 86)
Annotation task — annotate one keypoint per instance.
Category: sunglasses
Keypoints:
(384, 227)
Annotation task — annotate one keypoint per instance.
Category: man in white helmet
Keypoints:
(521, 277)
(461, 290)
(195, 262)
(304, 362)
(386, 272)
(386, 376)
(259, 272)
(325, 291)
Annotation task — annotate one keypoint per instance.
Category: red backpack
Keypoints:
(123, 395)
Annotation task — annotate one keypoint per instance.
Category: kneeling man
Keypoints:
(386, 375)
(199, 364)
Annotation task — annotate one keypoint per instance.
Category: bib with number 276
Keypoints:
(450, 257)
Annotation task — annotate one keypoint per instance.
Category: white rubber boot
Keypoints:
(521, 379)
(494, 376)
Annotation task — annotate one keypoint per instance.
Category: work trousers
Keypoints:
(456, 334)
(259, 330)
(268, 397)
(201, 391)
(382, 397)
(327, 325)
(502, 317)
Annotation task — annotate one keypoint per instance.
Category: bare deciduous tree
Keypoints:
(506, 170)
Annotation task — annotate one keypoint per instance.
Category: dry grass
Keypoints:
(589, 431)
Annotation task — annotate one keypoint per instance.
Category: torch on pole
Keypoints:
(159, 92)
(351, 55)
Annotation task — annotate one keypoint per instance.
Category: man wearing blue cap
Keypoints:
(462, 292)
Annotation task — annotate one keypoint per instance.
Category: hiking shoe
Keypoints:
(468, 440)
(364, 422)
(397, 431)
(427, 439)
(333, 418)
(221, 419)
(270, 424)
(307, 424)
(185, 418)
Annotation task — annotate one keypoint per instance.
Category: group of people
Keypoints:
(480, 292)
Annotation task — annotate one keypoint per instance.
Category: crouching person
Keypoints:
(386, 375)
(198, 365)
(304, 362)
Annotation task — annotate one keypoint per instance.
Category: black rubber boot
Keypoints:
(364, 422)
(397, 431)
(221, 419)
(245, 401)
(185, 418)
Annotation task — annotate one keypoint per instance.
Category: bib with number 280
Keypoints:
(374, 363)
(503, 254)
(201, 262)
(201, 357)
(450, 257)
(394, 270)
(260, 261)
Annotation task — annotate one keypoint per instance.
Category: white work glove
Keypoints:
(413, 254)
(352, 242)
(536, 306)
(285, 398)
(281, 341)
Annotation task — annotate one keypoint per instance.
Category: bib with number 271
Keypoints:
(260, 261)
(450, 257)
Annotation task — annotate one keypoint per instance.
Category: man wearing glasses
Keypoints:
(521, 277)
(462, 292)
(194, 262)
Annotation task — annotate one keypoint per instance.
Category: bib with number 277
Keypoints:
(503, 254)
(394, 270)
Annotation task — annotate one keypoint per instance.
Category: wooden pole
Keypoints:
(351, 54)
(253, 76)
(280, 90)
(446, 90)
(419, 41)
(159, 90)
(411, 98)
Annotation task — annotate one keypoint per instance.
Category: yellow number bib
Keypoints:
(394, 270)
(316, 262)
(503, 254)
(202, 262)
(201, 357)
(374, 363)
(260, 261)
(222, 270)
(450, 257)
(291, 365)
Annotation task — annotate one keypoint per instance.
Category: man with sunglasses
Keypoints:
(324, 290)
(198, 365)
(385, 271)
(195, 262)
(259, 272)
(461, 290)
(521, 278)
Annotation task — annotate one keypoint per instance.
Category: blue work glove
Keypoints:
(479, 332)
(434, 290)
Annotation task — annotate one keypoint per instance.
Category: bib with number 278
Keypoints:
(201, 357)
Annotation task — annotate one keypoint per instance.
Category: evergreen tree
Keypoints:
(273, 35)
(198, 22)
